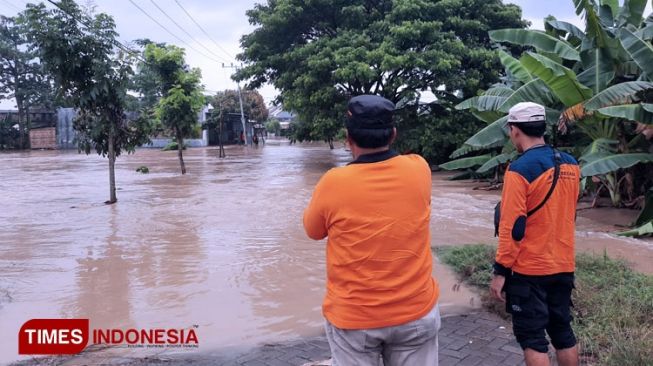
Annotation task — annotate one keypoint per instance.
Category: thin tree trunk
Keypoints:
(21, 124)
(28, 127)
(221, 154)
(180, 148)
(112, 171)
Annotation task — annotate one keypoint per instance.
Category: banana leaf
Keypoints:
(496, 161)
(614, 162)
(487, 116)
(491, 100)
(515, 67)
(646, 33)
(642, 113)
(466, 149)
(571, 30)
(599, 148)
(560, 80)
(491, 135)
(534, 91)
(465, 163)
(537, 39)
(644, 230)
(612, 6)
(606, 69)
(640, 51)
(647, 107)
(606, 16)
(631, 13)
(622, 93)
(594, 30)
(647, 212)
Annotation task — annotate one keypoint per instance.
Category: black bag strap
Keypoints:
(557, 160)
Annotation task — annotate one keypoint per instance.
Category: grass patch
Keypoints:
(613, 304)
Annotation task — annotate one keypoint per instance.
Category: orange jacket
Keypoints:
(376, 213)
(544, 245)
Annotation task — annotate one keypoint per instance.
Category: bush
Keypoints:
(613, 304)
(143, 169)
(172, 146)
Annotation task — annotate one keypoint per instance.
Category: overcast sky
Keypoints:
(225, 21)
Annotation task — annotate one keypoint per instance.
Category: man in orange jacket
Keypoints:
(535, 259)
(381, 300)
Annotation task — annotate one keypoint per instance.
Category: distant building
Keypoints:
(232, 128)
(42, 124)
(285, 118)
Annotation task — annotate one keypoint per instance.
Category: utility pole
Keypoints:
(240, 98)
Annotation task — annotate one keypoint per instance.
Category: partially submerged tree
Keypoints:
(180, 88)
(79, 51)
(22, 77)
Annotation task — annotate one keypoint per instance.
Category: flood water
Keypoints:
(221, 248)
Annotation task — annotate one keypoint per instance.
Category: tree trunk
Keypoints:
(221, 153)
(331, 144)
(21, 123)
(112, 171)
(180, 149)
(28, 127)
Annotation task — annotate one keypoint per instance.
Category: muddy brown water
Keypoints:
(221, 248)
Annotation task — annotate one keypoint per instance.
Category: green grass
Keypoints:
(613, 304)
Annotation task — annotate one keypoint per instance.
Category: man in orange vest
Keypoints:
(535, 260)
(381, 299)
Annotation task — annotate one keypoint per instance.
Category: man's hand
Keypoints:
(496, 287)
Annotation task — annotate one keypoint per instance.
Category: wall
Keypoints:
(43, 138)
(160, 143)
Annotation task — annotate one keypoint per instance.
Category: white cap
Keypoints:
(526, 112)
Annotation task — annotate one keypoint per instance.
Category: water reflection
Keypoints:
(222, 247)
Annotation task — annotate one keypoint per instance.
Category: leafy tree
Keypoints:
(21, 75)
(180, 88)
(8, 134)
(273, 126)
(145, 81)
(253, 104)
(78, 51)
(320, 53)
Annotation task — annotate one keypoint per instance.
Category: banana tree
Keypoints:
(602, 75)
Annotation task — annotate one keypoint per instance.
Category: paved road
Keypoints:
(465, 340)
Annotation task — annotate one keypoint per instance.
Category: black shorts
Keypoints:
(539, 304)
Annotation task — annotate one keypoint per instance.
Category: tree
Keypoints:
(253, 104)
(597, 86)
(145, 81)
(78, 51)
(21, 75)
(180, 87)
(321, 53)
(273, 126)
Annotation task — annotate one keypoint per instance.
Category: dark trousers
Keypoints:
(540, 305)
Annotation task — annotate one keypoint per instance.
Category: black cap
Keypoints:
(370, 112)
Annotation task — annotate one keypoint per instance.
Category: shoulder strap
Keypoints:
(556, 175)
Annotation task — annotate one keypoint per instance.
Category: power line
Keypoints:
(11, 5)
(169, 32)
(116, 42)
(203, 31)
(184, 30)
